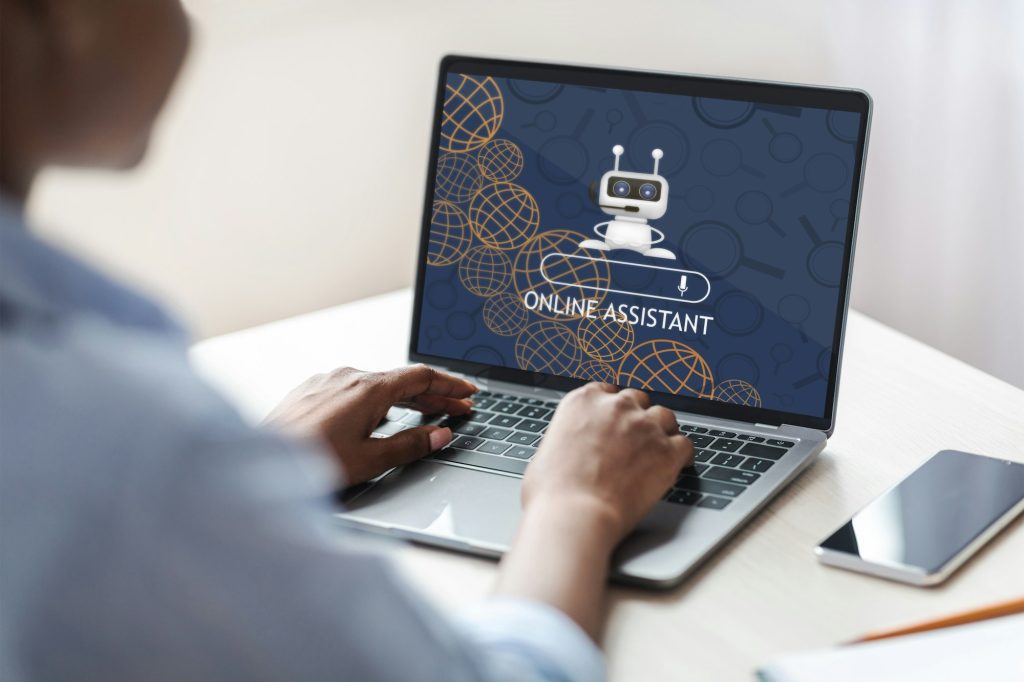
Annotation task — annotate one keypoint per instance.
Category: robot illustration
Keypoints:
(633, 199)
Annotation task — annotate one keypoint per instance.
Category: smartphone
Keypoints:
(931, 522)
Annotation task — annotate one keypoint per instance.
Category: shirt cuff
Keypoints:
(518, 635)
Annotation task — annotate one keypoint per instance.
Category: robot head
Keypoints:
(636, 195)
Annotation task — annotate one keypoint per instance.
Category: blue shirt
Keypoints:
(148, 532)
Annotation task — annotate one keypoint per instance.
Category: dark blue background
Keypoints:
(758, 201)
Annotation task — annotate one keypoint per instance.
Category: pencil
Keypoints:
(992, 611)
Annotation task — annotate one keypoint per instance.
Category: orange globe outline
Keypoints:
(505, 315)
(472, 113)
(595, 370)
(485, 271)
(667, 366)
(738, 392)
(607, 340)
(500, 160)
(550, 347)
(526, 273)
(504, 215)
(449, 234)
(457, 178)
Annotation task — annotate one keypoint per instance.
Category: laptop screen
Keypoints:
(640, 231)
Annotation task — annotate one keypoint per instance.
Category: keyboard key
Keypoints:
(483, 404)
(390, 428)
(759, 450)
(706, 485)
(731, 475)
(780, 443)
(468, 429)
(531, 401)
(692, 429)
(506, 407)
(466, 442)
(721, 434)
(726, 445)
(703, 455)
(521, 452)
(749, 438)
(701, 441)
(495, 433)
(506, 464)
(755, 464)
(505, 421)
(713, 502)
(534, 412)
(696, 470)
(523, 438)
(727, 460)
(481, 417)
(494, 447)
(683, 497)
(531, 425)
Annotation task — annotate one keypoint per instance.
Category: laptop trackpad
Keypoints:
(463, 506)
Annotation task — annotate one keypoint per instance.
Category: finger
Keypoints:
(664, 418)
(598, 386)
(409, 445)
(408, 382)
(682, 446)
(638, 397)
(436, 404)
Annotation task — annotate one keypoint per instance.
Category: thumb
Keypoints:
(410, 445)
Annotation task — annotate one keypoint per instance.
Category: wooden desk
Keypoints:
(764, 594)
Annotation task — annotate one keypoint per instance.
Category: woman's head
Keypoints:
(83, 81)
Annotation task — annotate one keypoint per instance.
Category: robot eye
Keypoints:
(621, 188)
(648, 191)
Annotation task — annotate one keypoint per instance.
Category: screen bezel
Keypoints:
(697, 86)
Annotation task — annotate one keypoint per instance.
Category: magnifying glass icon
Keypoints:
(544, 121)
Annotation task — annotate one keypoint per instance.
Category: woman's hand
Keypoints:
(344, 406)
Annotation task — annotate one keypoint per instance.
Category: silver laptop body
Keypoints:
(455, 503)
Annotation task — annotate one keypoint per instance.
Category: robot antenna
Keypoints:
(656, 155)
(617, 151)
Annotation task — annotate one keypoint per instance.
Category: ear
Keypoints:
(593, 192)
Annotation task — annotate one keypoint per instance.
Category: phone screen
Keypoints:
(934, 513)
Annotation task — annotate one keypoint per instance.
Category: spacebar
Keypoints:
(479, 459)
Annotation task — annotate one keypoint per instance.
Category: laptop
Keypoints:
(691, 237)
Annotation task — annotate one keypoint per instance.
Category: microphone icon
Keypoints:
(682, 285)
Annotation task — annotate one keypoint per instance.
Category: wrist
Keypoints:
(581, 517)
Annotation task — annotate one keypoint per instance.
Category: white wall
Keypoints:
(292, 112)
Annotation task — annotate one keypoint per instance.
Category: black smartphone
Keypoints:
(927, 525)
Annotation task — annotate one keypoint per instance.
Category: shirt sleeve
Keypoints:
(527, 640)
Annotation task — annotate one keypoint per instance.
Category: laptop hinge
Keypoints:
(776, 427)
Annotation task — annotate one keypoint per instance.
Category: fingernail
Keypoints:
(439, 438)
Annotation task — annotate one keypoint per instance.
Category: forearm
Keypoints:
(560, 557)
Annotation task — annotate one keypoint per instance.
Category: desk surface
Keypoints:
(763, 594)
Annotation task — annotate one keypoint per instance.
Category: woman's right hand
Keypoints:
(608, 453)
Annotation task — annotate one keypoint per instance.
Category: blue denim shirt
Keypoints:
(148, 532)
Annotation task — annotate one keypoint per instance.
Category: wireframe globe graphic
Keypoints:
(500, 160)
(505, 314)
(738, 392)
(449, 234)
(595, 370)
(504, 215)
(485, 271)
(667, 366)
(458, 178)
(550, 347)
(574, 272)
(606, 339)
(472, 113)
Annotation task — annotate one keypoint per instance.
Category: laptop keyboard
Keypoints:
(503, 432)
